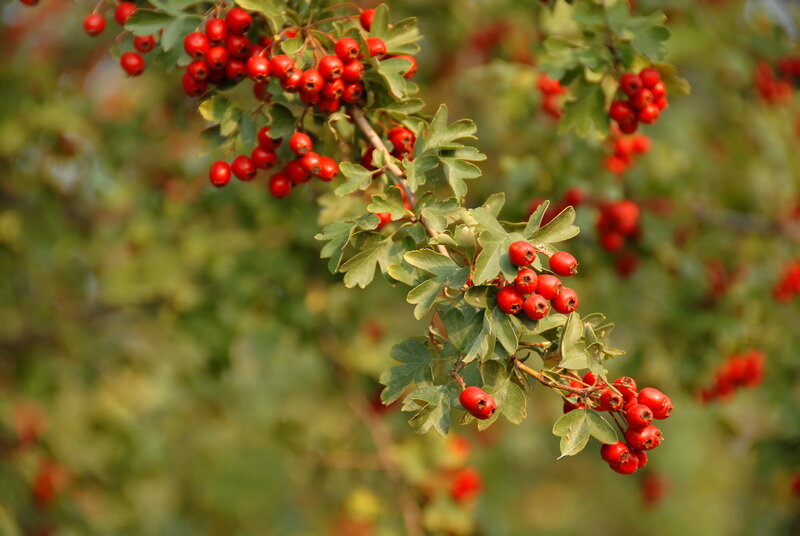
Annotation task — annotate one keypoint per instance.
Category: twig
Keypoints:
(544, 380)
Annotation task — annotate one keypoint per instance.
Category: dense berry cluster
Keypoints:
(646, 96)
(634, 410)
(552, 95)
(625, 149)
(788, 286)
(741, 370)
(771, 87)
(618, 223)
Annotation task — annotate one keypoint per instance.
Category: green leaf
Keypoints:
(435, 213)
(390, 201)
(504, 328)
(178, 29)
(338, 235)
(272, 9)
(416, 368)
(417, 168)
(213, 109)
(392, 71)
(440, 133)
(458, 167)
(447, 274)
(404, 107)
(586, 111)
(559, 229)
(432, 404)
(535, 219)
(573, 349)
(675, 84)
(510, 398)
(147, 21)
(282, 121)
(600, 428)
(356, 178)
(573, 429)
(360, 269)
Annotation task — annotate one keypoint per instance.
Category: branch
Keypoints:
(399, 175)
(544, 380)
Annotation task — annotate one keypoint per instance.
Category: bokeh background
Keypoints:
(176, 360)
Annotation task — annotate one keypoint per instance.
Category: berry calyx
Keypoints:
(630, 84)
(281, 66)
(628, 467)
(566, 301)
(526, 281)
(521, 253)
(478, 402)
(646, 438)
(609, 400)
(639, 416)
(144, 43)
(376, 46)
(509, 300)
(615, 453)
(347, 49)
(535, 307)
(217, 58)
(300, 143)
(563, 264)
(330, 67)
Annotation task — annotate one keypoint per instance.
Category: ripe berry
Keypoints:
(219, 173)
(642, 456)
(521, 253)
(589, 378)
(279, 186)
(621, 111)
(132, 63)
(642, 98)
(563, 264)
(661, 103)
(196, 45)
(376, 46)
(238, 21)
(312, 81)
(548, 286)
(235, 70)
(402, 139)
(300, 143)
(536, 307)
(353, 71)
(466, 485)
(258, 68)
(347, 49)
(366, 18)
(615, 453)
(309, 98)
(193, 87)
(647, 438)
(659, 91)
(330, 67)
(657, 401)
(291, 83)
(649, 114)
(281, 66)
(333, 89)
(624, 216)
(639, 416)
(198, 70)
(263, 158)
(384, 218)
(627, 468)
(630, 84)
(649, 77)
(566, 301)
(123, 12)
(328, 169)
(295, 172)
(329, 105)
(243, 168)
(352, 93)
(526, 281)
(627, 386)
(609, 400)
(144, 43)
(509, 300)
(217, 58)
(478, 402)
(216, 31)
(641, 144)
(237, 46)
(628, 127)
(94, 24)
(265, 141)
(311, 162)
(412, 68)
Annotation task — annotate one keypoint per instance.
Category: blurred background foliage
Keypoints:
(177, 360)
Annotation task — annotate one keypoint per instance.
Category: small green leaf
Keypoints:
(573, 429)
(416, 368)
(558, 229)
(586, 111)
(360, 269)
(356, 178)
(147, 21)
(573, 349)
(600, 428)
(272, 9)
(178, 29)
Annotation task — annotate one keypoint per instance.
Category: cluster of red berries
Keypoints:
(637, 409)
(552, 92)
(625, 149)
(131, 62)
(788, 286)
(617, 223)
(306, 164)
(531, 292)
(741, 370)
(771, 87)
(647, 96)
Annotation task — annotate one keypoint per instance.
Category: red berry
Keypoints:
(309, 98)
(627, 468)
(132, 63)
(312, 81)
(642, 457)
(630, 84)
(94, 24)
(609, 400)
(628, 127)
(347, 49)
(279, 186)
(563, 264)
(641, 98)
(509, 300)
(198, 70)
(291, 83)
(300, 143)
(521, 253)
(243, 168)
(193, 87)
(237, 46)
(661, 103)
(235, 70)
(330, 67)
(657, 401)
(549, 286)
(238, 21)
(641, 144)
(659, 91)
(329, 105)
(649, 77)
(589, 378)
(384, 218)
(263, 158)
(621, 111)
(647, 438)
(265, 141)
(353, 71)
(217, 58)
(412, 69)
(295, 172)
(196, 45)
(144, 43)
(328, 169)
(535, 307)
(216, 31)
(526, 281)
(627, 386)
(376, 46)
(219, 173)
(312, 162)
(366, 18)
(478, 402)
(402, 139)
(566, 301)
(466, 485)
(352, 93)
(649, 114)
(639, 416)
(123, 12)
(615, 453)
(333, 89)
(258, 68)
(281, 66)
